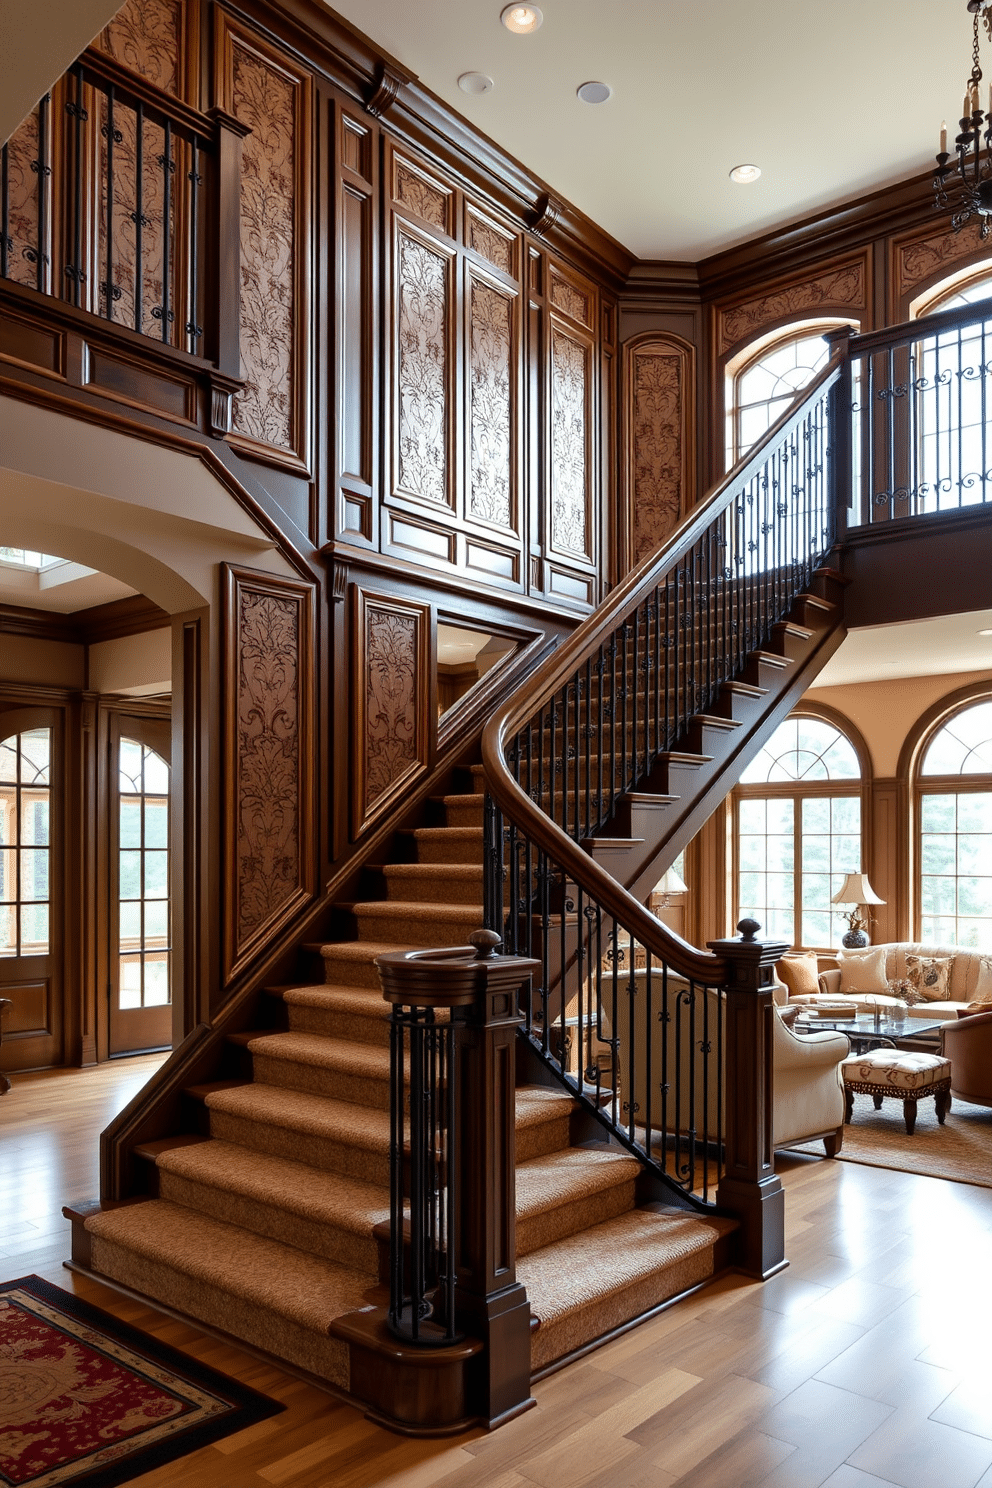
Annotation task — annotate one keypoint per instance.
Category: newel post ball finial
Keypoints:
(749, 930)
(486, 943)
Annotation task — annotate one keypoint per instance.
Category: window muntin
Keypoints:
(798, 831)
(25, 843)
(143, 877)
(765, 387)
(955, 831)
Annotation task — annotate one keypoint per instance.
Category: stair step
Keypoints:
(333, 1135)
(435, 883)
(336, 1011)
(420, 924)
(591, 1283)
(564, 1192)
(313, 1065)
(324, 1214)
(542, 1120)
(270, 1295)
(448, 844)
(351, 963)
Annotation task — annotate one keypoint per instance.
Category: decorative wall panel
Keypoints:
(269, 686)
(932, 257)
(23, 178)
(565, 297)
(658, 408)
(490, 377)
(392, 700)
(843, 288)
(421, 196)
(263, 90)
(147, 36)
(569, 443)
(422, 371)
(491, 242)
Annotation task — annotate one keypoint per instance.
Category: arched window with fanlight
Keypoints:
(953, 789)
(764, 378)
(797, 814)
(140, 1014)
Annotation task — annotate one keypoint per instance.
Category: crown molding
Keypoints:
(107, 622)
(675, 283)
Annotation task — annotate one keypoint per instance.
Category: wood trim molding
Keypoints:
(269, 686)
(392, 702)
(838, 289)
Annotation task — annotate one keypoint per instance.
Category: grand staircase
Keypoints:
(264, 1218)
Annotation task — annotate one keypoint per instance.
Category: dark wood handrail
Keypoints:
(924, 328)
(130, 88)
(580, 648)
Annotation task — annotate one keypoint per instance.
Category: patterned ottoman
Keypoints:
(891, 1072)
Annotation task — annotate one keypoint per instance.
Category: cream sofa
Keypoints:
(964, 973)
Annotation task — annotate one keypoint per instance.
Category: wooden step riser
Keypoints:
(332, 1242)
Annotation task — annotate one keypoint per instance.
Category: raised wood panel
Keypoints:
(392, 704)
(422, 368)
(128, 381)
(355, 366)
(841, 289)
(659, 425)
(31, 346)
(421, 539)
(269, 686)
(415, 191)
(497, 244)
(569, 443)
(264, 90)
(30, 1016)
(572, 298)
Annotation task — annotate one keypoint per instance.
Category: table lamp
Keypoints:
(856, 891)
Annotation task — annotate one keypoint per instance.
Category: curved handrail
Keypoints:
(577, 650)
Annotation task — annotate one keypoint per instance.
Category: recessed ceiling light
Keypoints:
(743, 175)
(594, 92)
(985, 632)
(521, 19)
(475, 82)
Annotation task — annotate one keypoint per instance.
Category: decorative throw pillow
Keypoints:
(983, 987)
(799, 974)
(930, 976)
(864, 972)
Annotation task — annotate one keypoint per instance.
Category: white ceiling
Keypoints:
(913, 648)
(63, 587)
(831, 98)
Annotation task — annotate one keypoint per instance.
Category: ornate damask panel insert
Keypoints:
(265, 97)
(147, 36)
(921, 259)
(420, 195)
(843, 288)
(657, 417)
(392, 690)
(565, 297)
(490, 242)
(490, 373)
(569, 443)
(24, 175)
(269, 684)
(422, 369)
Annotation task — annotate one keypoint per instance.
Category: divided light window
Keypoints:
(955, 831)
(25, 842)
(797, 831)
(765, 387)
(143, 852)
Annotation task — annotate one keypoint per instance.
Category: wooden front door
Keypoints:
(140, 939)
(31, 899)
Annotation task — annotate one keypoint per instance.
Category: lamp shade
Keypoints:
(856, 890)
(672, 883)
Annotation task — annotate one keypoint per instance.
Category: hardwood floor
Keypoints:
(865, 1364)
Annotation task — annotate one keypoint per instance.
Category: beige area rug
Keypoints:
(961, 1149)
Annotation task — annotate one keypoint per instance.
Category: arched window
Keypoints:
(797, 832)
(954, 829)
(763, 380)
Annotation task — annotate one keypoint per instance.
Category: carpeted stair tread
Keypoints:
(566, 1191)
(585, 1286)
(336, 1011)
(352, 962)
(448, 844)
(542, 1119)
(322, 1066)
(423, 923)
(230, 1278)
(301, 1115)
(326, 1214)
(440, 883)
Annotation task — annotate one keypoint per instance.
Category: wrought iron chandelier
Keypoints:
(965, 188)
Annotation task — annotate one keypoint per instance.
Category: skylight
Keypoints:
(24, 558)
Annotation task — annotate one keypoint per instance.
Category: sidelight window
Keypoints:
(25, 843)
(143, 877)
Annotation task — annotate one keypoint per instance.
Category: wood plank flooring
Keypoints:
(867, 1363)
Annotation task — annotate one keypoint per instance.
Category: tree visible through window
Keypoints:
(955, 831)
(798, 832)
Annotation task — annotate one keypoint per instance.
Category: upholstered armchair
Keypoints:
(809, 1091)
(968, 1045)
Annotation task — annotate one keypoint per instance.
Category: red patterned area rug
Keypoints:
(85, 1400)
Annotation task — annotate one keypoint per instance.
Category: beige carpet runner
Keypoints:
(262, 1224)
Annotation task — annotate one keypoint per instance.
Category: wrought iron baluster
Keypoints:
(43, 262)
(194, 330)
(138, 215)
(168, 167)
(6, 245)
(74, 270)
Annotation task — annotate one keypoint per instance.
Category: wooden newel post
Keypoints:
(224, 282)
(749, 1187)
(453, 1348)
